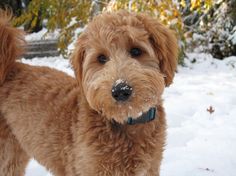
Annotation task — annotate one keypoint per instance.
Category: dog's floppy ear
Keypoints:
(78, 57)
(165, 44)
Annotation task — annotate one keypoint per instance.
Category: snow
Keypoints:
(43, 34)
(199, 143)
(58, 63)
(36, 36)
(74, 40)
(34, 169)
(118, 81)
(233, 36)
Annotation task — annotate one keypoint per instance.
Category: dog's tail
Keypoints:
(11, 44)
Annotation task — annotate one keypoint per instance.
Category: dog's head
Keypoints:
(122, 62)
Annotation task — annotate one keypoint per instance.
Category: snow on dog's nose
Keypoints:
(121, 91)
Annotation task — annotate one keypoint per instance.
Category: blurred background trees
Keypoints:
(211, 25)
(203, 25)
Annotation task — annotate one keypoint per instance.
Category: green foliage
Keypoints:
(57, 14)
(30, 16)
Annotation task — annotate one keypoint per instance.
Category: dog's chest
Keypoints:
(104, 151)
(124, 157)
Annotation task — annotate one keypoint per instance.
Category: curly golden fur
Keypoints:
(73, 126)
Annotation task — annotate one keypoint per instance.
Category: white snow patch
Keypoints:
(118, 81)
(34, 169)
(58, 63)
(71, 46)
(200, 143)
(126, 87)
(36, 35)
(42, 35)
(233, 36)
(140, 113)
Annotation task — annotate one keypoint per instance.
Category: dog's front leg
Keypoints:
(13, 159)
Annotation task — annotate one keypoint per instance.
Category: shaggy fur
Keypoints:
(73, 126)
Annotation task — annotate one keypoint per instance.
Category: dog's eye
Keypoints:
(102, 59)
(135, 52)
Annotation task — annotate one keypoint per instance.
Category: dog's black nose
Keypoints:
(121, 91)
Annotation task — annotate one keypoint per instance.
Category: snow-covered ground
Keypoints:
(201, 116)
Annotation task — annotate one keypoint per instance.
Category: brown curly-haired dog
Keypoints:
(109, 121)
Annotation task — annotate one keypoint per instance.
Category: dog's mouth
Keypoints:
(145, 117)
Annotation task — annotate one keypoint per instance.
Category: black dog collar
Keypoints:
(144, 118)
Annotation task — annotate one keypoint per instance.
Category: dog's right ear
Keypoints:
(165, 45)
(78, 57)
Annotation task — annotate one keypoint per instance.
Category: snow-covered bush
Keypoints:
(213, 29)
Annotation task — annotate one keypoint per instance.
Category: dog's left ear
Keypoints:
(78, 57)
(165, 45)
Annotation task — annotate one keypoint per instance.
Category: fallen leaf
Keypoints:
(210, 109)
